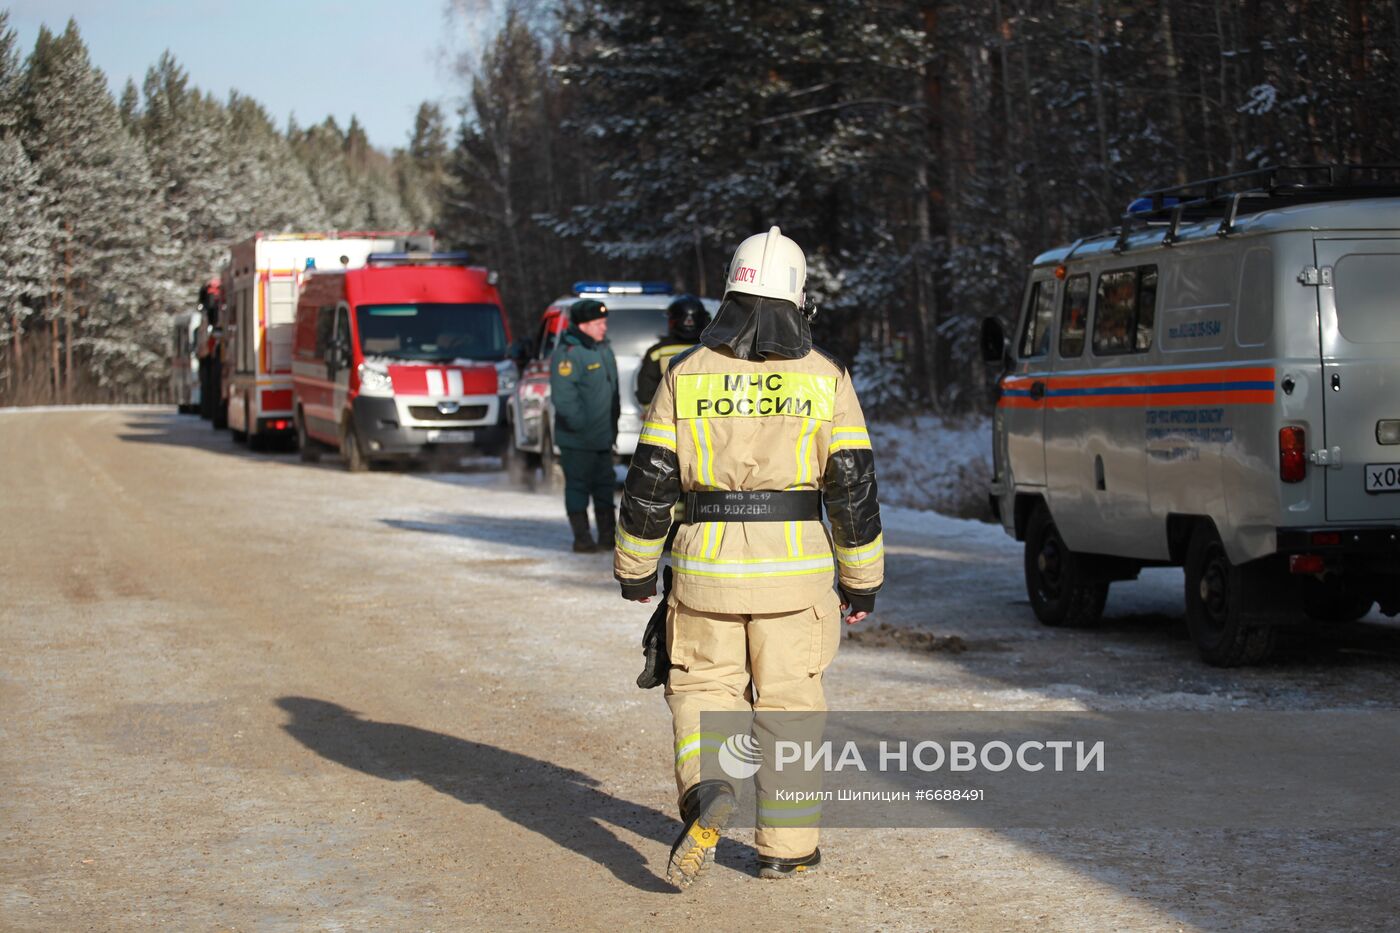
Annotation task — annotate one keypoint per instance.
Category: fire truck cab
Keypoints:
(261, 281)
(402, 358)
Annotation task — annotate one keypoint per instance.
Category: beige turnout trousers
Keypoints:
(735, 662)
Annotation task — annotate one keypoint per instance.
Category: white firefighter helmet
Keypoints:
(769, 265)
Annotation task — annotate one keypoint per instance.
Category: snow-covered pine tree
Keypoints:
(107, 212)
(321, 149)
(269, 189)
(27, 230)
(421, 169)
(712, 120)
(185, 134)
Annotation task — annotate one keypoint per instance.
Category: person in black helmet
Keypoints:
(686, 317)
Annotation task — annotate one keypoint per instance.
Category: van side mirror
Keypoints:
(522, 350)
(993, 341)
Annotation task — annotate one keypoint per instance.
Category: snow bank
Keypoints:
(929, 463)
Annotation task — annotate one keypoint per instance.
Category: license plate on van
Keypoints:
(1383, 477)
(451, 437)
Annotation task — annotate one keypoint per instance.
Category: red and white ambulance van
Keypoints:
(261, 281)
(405, 357)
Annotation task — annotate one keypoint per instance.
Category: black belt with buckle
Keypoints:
(800, 505)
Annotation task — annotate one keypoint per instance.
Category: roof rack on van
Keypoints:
(1229, 196)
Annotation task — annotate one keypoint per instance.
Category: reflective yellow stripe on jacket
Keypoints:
(646, 548)
(752, 569)
(865, 554)
(849, 439)
(659, 434)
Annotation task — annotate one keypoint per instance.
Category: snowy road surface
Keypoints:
(245, 693)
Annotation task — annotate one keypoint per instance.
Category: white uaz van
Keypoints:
(1214, 385)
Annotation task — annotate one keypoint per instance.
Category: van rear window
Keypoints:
(1125, 311)
(1035, 339)
(1368, 297)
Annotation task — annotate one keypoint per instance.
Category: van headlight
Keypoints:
(506, 378)
(374, 380)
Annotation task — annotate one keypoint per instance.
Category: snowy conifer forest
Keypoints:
(921, 153)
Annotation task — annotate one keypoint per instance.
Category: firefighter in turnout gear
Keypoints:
(686, 317)
(583, 389)
(755, 431)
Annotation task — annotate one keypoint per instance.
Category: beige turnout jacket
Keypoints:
(718, 423)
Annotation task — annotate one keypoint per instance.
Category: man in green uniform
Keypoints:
(583, 389)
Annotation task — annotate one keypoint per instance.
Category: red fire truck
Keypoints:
(260, 284)
(403, 358)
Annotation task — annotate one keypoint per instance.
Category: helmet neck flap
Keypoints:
(754, 328)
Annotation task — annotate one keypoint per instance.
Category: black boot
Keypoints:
(607, 526)
(583, 537)
(771, 867)
(705, 811)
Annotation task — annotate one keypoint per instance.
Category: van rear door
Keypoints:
(1359, 317)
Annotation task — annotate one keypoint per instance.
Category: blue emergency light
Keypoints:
(447, 259)
(1146, 206)
(622, 288)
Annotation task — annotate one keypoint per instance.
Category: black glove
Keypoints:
(658, 658)
(859, 602)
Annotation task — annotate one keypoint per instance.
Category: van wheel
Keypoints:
(1214, 606)
(351, 451)
(1062, 590)
(1331, 600)
(551, 473)
(309, 449)
(517, 461)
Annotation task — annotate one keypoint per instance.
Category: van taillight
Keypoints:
(1292, 455)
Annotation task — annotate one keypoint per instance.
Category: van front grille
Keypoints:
(431, 413)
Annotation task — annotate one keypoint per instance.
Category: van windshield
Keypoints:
(632, 330)
(432, 331)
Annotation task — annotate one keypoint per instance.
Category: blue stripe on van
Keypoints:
(1159, 389)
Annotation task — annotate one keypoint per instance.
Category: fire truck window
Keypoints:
(1146, 308)
(1035, 339)
(325, 330)
(1074, 316)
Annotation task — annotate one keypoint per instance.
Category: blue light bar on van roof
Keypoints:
(444, 259)
(1145, 205)
(622, 288)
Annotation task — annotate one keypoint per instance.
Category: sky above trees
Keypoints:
(311, 58)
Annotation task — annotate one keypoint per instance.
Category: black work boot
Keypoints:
(607, 527)
(583, 537)
(705, 811)
(772, 867)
